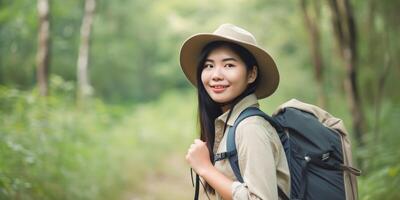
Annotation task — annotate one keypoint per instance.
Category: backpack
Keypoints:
(317, 148)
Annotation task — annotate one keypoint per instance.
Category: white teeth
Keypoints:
(219, 86)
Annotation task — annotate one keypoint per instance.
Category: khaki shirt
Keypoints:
(262, 160)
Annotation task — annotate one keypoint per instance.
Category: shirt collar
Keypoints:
(248, 101)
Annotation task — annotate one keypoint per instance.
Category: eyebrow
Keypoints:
(223, 60)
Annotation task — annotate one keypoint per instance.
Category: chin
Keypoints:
(221, 99)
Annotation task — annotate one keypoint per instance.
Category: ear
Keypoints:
(252, 75)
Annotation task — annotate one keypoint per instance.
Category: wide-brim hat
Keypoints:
(267, 71)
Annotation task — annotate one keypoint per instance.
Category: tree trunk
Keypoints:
(84, 88)
(345, 34)
(43, 52)
(312, 25)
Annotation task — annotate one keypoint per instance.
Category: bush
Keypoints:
(52, 150)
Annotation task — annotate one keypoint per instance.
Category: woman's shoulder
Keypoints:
(255, 130)
(256, 126)
(256, 122)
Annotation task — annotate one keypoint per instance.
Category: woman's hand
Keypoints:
(198, 157)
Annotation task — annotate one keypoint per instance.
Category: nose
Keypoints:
(217, 74)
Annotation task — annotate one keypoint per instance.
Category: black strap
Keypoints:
(196, 185)
(224, 155)
(304, 171)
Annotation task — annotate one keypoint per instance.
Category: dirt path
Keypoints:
(171, 183)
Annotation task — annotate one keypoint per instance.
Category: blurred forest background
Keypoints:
(93, 103)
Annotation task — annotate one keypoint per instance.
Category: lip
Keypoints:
(218, 88)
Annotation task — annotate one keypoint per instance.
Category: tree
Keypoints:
(345, 32)
(312, 24)
(43, 53)
(84, 88)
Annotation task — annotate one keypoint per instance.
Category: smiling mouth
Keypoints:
(219, 86)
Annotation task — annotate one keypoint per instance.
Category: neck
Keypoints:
(228, 105)
(225, 108)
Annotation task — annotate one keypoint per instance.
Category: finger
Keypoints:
(190, 151)
(187, 157)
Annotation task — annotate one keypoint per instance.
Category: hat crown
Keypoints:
(236, 33)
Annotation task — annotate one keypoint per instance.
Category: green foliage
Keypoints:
(17, 30)
(52, 150)
(381, 157)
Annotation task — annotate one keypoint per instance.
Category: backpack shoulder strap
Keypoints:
(231, 143)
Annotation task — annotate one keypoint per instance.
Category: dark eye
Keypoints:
(207, 66)
(229, 65)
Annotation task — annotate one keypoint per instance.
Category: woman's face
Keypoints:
(225, 75)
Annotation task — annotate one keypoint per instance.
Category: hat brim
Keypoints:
(267, 71)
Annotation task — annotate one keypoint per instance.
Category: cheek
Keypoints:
(240, 82)
(240, 77)
(204, 77)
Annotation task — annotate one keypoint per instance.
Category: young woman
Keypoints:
(231, 72)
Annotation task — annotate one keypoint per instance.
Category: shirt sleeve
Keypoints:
(256, 151)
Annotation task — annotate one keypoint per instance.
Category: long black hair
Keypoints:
(208, 109)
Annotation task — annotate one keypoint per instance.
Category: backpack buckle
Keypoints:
(224, 155)
(325, 156)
